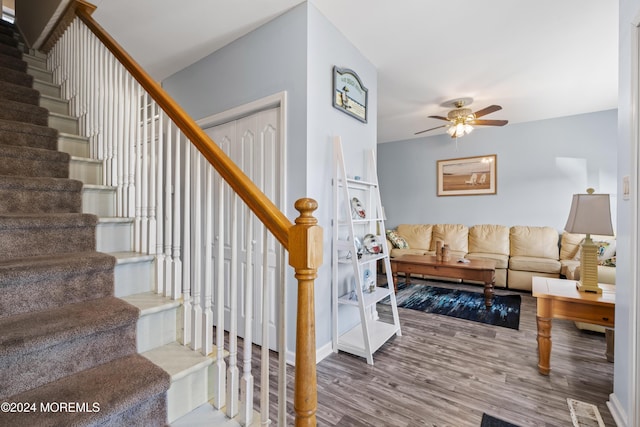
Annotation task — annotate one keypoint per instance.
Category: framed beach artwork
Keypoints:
(467, 176)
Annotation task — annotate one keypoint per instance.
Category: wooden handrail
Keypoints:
(268, 213)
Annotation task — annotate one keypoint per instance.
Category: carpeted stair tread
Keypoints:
(25, 134)
(36, 331)
(118, 387)
(22, 112)
(7, 39)
(44, 282)
(10, 51)
(17, 77)
(19, 93)
(25, 235)
(13, 63)
(42, 195)
(28, 161)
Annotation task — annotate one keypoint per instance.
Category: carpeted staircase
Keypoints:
(67, 345)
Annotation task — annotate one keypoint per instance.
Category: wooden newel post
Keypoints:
(305, 256)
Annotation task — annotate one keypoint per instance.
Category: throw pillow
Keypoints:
(606, 252)
(397, 240)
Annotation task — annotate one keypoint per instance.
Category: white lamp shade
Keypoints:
(590, 214)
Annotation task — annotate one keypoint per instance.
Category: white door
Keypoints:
(253, 143)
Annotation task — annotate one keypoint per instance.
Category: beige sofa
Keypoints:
(520, 252)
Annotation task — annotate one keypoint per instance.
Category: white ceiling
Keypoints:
(537, 59)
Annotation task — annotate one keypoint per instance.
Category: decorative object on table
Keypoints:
(372, 244)
(590, 214)
(467, 305)
(467, 176)
(349, 94)
(359, 247)
(445, 253)
(461, 119)
(357, 209)
(439, 245)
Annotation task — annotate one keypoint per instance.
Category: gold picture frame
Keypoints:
(467, 176)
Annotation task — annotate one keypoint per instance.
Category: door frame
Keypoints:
(277, 100)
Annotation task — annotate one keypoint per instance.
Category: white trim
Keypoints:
(617, 411)
(321, 354)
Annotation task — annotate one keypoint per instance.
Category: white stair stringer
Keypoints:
(189, 377)
(114, 234)
(89, 171)
(63, 122)
(134, 273)
(99, 200)
(157, 325)
(74, 145)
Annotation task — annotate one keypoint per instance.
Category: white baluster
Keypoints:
(232, 370)
(144, 181)
(177, 217)
(264, 351)
(219, 375)
(168, 211)
(207, 313)
(196, 286)
(159, 202)
(186, 270)
(246, 383)
(153, 147)
(137, 241)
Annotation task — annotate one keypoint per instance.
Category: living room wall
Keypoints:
(540, 165)
(295, 53)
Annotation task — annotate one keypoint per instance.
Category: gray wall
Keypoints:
(295, 53)
(539, 166)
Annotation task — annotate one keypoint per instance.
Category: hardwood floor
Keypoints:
(445, 371)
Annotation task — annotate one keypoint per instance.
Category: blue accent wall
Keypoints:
(540, 165)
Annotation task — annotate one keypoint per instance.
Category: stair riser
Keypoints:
(99, 202)
(24, 242)
(74, 146)
(134, 278)
(187, 393)
(46, 290)
(40, 74)
(34, 369)
(30, 201)
(47, 88)
(64, 124)
(156, 329)
(114, 237)
(86, 170)
(35, 61)
(54, 105)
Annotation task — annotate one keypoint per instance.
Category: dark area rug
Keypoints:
(489, 421)
(466, 305)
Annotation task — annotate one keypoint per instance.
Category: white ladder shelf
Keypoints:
(354, 267)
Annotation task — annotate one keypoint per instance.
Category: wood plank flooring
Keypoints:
(445, 371)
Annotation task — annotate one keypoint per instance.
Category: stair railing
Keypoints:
(184, 193)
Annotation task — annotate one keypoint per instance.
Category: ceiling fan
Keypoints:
(461, 119)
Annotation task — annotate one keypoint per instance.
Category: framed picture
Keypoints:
(349, 94)
(467, 176)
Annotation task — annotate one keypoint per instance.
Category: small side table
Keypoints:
(560, 299)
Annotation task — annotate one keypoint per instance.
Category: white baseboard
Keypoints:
(321, 354)
(617, 411)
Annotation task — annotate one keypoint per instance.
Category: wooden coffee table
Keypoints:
(478, 270)
(560, 299)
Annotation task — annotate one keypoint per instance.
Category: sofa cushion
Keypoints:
(502, 261)
(570, 246)
(418, 236)
(395, 252)
(454, 235)
(537, 242)
(489, 239)
(397, 240)
(534, 264)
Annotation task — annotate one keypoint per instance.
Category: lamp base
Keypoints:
(588, 288)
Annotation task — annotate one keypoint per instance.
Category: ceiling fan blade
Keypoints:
(423, 131)
(439, 118)
(490, 122)
(488, 110)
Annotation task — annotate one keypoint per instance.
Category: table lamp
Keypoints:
(590, 214)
